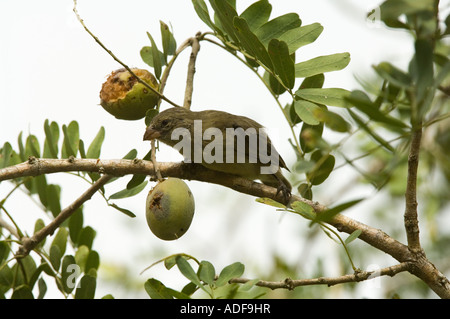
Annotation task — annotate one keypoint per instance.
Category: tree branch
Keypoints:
(410, 216)
(421, 266)
(329, 281)
(195, 44)
(29, 244)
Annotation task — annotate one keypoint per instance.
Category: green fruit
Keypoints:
(169, 209)
(127, 99)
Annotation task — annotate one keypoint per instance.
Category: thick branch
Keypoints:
(329, 281)
(422, 267)
(34, 167)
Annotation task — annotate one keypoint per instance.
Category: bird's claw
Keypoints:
(285, 191)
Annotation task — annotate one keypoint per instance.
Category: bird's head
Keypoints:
(163, 124)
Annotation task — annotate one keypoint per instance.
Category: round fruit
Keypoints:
(169, 209)
(127, 99)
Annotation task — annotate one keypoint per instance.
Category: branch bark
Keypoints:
(290, 284)
(419, 264)
(195, 44)
(410, 217)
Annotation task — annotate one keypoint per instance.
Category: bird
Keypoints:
(223, 142)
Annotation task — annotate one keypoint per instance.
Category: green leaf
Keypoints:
(96, 145)
(38, 225)
(270, 202)
(71, 140)
(276, 27)
(170, 261)
(301, 36)
(128, 192)
(55, 257)
(363, 103)
(22, 292)
(81, 148)
(60, 240)
(231, 271)
(136, 180)
(42, 288)
(131, 155)
(324, 167)
(6, 276)
(372, 133)
(147, 56)
(168, 41)
(329, 96)
(86, 288)
(4, 252)
(304, 209)
(189, 289)
(322, 64)
(157, 65)
(251, 43)
(392, 9)
(206, 272)
(306, 111)
(248, 285)
(353, 236)
(311, 137)
(392, 74)
(187, 271)
(53, 199)
(315, 81)
(305, 191)
(156, 289)
(5, 155)
(328, 214)
(275, 85)
(283, 65)
(257, 14)
(225, 13)
(332, 120)
(70, 271)
(75, 225)
(202, 11)
(32, 147)
(81, 256)
(422, 71)
(40, 183)
(51, 139)
(87, 236)
(92, 261)
(123, 210)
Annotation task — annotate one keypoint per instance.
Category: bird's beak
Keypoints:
(151, 134)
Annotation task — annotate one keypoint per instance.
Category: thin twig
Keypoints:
(29, 244)
(155, 163)
(329, 281)
(195, 44)
(118, 60)
(8, 227)
(410, 216)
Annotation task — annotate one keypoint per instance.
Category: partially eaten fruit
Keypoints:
(127, 99)
(170, 209)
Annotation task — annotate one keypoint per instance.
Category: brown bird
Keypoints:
(222, 142)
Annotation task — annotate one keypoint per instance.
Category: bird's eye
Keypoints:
(164, 123)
